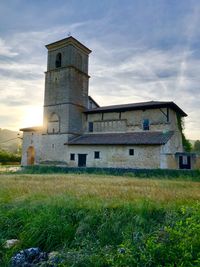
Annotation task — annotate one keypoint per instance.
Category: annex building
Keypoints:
(77, 132)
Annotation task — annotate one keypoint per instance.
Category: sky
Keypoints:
(142, 50)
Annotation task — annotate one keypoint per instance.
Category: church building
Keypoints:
(77, 132)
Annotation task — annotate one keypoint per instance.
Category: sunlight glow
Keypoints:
(33, 116)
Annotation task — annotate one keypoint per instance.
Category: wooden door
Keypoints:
(30, 155)
(82, 160)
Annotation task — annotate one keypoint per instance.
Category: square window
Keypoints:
(131, 152)
(96, 154)
(72, 156)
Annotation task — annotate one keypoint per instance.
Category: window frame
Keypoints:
(96, 154)
(131, 152)
(90, 126)
(72, 156)
(146, 125)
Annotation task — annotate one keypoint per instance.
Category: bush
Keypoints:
(193, 175)
(8, 157)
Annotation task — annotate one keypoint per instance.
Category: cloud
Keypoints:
(124, 68)
(148, 74)
(6, 50)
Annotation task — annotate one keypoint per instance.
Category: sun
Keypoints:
(33, 116)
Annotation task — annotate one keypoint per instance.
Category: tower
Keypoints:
(66, 87)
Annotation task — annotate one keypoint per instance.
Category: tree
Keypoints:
(187, 146)
(196, 147)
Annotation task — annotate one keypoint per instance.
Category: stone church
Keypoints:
(77, 132)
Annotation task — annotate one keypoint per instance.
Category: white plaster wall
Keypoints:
(117, 156)
(31, 139)
(53, 148)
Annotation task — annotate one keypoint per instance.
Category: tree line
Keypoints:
(9, 157)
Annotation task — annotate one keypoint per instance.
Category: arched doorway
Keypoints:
(30, 155)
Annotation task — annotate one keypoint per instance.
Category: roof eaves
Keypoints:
(142, 106)
(32, 129)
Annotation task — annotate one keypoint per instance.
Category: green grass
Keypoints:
(193, 175)
(101, 220)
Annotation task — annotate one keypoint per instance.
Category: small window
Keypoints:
(53, 145)
(90, 126)
(131, 152)
(58, 60)
(72, 156)
(96, 154)
(146, 125)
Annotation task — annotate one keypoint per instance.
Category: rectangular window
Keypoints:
(90, 126)
(131, 152)
(146, 125)
(96, 154)
(72, 156)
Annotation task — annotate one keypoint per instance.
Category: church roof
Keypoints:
(66, 41)
(136, 138)
(138, 106)
(32, 129)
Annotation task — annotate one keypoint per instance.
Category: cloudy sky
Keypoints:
(142, 50)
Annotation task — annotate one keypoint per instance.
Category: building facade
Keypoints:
(77, 132)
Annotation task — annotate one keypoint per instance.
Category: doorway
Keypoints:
(184, 162)
(30, 155)
(82, 160)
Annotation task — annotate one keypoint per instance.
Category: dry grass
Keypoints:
(106, 188)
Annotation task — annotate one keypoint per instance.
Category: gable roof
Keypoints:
(138, 106)
(92, 99)
(136, 138)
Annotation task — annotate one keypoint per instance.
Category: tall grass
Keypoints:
(102, 220)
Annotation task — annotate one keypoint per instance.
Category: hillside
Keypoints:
(9, 140)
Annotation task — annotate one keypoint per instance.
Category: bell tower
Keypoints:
(66, 87)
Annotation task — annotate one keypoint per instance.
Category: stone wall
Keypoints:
(117, 156)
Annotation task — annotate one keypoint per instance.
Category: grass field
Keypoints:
(99, 220)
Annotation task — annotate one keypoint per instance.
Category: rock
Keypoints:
(29, 257)
(54, 258)
(11, 243)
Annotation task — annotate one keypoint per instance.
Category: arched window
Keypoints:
(58, 60)
(53, 124)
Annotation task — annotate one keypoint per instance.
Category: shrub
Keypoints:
(7, 157)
